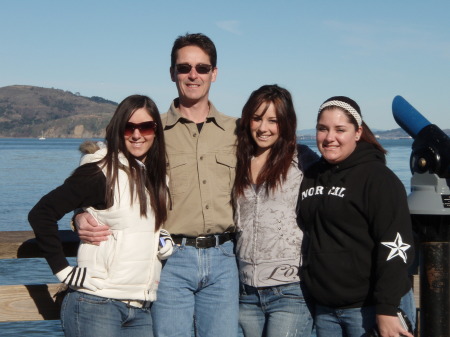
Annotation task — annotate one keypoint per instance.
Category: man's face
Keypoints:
(192, 87)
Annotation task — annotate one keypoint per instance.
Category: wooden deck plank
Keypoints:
(28, 302)
(22, 244)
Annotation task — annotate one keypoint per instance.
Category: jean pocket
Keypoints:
(291, 291)
(228, 249)
(92, 299)
(64, 307)
(176, 249)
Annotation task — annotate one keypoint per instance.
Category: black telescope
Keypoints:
(429, 205)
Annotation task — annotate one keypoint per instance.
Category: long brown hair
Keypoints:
(275, 170)
(368, 137)
(153, 177)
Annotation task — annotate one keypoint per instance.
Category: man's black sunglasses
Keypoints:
(185, 68)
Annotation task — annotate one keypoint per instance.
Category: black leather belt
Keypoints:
(207, 241)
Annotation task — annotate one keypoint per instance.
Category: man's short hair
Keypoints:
(200, 40)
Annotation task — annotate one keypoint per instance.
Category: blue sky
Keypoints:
(370, 51)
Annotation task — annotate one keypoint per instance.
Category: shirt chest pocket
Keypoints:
(224, 171)
(178, 172)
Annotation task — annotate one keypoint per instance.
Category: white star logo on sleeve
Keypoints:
(398, 248)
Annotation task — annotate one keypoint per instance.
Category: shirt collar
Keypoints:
(174, 115)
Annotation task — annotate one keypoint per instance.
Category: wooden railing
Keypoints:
(36, 302)
(30, 302)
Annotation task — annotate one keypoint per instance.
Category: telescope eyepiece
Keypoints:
(431, 152)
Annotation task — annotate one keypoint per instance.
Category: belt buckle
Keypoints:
(198, 243)
(146, 304)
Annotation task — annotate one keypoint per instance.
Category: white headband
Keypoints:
(345, 106)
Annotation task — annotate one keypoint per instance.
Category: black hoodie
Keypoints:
(360, 238)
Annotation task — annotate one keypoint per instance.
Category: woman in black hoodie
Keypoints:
(355, 212)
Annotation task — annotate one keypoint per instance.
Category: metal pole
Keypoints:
(434, 290)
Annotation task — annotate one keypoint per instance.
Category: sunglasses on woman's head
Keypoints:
(145, 129)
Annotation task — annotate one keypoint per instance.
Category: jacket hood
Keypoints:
(363, 153)
(99, 155)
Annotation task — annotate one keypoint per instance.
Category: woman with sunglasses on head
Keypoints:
(273, 301)
(356, 217)
(123, 185)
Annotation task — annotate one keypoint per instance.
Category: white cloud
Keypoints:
(231, 26)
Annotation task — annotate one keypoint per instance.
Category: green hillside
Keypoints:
(28, 111)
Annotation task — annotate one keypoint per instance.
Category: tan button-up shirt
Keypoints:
(201, 167)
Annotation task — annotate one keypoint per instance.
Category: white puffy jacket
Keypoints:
(129, 256)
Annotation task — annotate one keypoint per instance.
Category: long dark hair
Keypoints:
(275, 170)
(153, 177)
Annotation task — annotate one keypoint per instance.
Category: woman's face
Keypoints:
(264, 128)
(336, 137)
(140, 140)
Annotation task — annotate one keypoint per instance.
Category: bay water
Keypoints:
(30, 168)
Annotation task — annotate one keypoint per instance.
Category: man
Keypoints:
(200, 279)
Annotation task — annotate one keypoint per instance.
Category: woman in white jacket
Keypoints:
(124, 185)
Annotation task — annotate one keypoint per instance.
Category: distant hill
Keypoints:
(28, 111)
(382, 134)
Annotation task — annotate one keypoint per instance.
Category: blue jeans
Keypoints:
(200, 283)
(85, 315)
(275, 311)
(355, 322)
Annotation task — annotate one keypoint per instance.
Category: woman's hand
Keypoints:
(81, 277)
(166, 247)
(389, 326)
